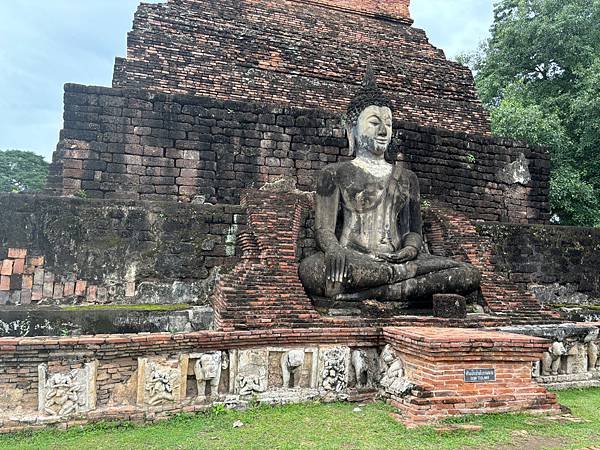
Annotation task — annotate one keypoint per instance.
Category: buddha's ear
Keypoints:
(350, 133)
(349, 127)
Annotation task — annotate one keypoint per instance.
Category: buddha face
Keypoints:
(373, 131)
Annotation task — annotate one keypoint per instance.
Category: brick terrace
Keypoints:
(298, 53)
(435, 360)
(127, 144)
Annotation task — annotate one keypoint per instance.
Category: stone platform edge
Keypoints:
(441, 344)
(207, 339)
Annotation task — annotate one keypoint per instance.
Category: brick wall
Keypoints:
(130, 144)
(453, 235)
(69, 250)
(434, 361)
(263, 290)
(398, 9)
(117, 357)
(297, 53)
(545, 255)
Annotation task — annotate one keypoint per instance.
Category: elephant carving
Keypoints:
(291, 368)
(552, 358)
(361, 368)
(208, 369)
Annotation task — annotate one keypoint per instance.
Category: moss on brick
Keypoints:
(143, 307)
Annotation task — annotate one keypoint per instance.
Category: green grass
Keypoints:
(140, 307)
(328, 426)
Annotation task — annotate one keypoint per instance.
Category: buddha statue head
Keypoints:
(368, 120)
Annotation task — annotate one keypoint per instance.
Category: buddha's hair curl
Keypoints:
(368, 95)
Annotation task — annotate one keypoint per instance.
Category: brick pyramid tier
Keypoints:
(454, 235)
(264, 290)
(445, 367)
(300, 53)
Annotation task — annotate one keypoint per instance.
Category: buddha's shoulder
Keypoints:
(336, 167)
(402, 173)
(335, 175)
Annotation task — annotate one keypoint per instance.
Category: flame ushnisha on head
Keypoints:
(368, 95)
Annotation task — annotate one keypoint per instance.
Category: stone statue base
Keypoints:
(370, 308)
(449, 306)
(446, 306)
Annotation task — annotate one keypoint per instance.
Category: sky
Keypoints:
(47, 43)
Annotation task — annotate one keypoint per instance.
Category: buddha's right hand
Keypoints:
(336, 268)
(408, 253)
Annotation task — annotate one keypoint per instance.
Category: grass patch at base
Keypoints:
(328, 426)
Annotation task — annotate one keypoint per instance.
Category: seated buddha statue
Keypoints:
(368, 222)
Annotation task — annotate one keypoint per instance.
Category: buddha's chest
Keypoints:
(375, 193)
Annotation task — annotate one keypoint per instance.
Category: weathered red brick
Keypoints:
(17, 253)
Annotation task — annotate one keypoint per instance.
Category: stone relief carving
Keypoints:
(361, 367)
(161, 384)
(392, 373)
(161, 381)
(576, 359)
(552, 359)
(334, 369)
(593, 356)
(364, 368)
(291, 367)
(572, 356)
(572, 360)
(208, 369)
(536, 369)
(592, 349)
(64, 394)
(251, 377)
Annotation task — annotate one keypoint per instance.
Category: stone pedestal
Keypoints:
(451, 372)
(449, 306)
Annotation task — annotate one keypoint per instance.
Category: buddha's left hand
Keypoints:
(406, 254)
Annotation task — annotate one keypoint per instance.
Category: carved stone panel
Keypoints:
(364, 368)
(210, 370)
(334, 365)
(251, 369)
(67, 393)
(576, 360)
(161, 381)
(516, 172)
(393, 378)
(552, 359)
(291, 368)
(593, 352)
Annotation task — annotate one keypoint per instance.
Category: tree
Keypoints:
(539, 75)
(22, 171)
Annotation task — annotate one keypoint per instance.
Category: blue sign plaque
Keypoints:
(480, 375)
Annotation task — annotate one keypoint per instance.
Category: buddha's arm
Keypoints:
(328, 198)
(412, 241)
(415, 237)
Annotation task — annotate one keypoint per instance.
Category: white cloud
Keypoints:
(455, 26)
